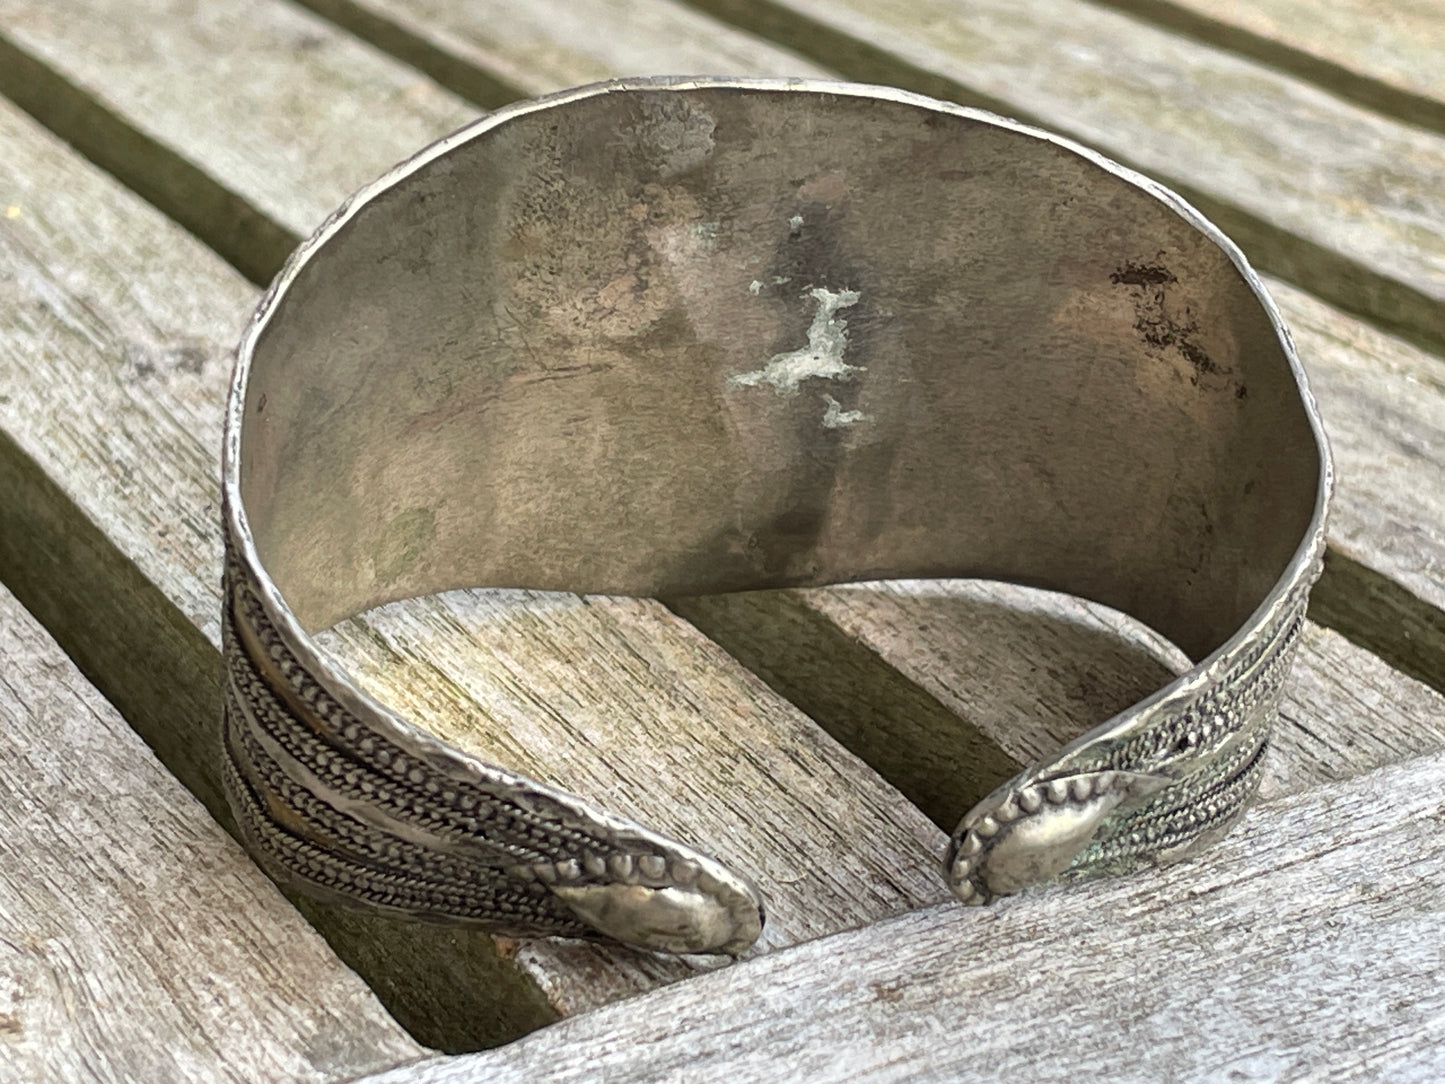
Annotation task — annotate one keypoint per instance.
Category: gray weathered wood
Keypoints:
(489, 621)
(236, 78)
(1338, 199)
(137, 941)
(516, 50)
(1031, 670)
(907, 674)
(140, 342)
(1383, 402)
(1384, 407)
(1306, 946)
(1384, 54)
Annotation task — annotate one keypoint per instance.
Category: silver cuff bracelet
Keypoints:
(680, 337)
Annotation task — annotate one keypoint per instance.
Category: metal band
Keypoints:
(670, 337)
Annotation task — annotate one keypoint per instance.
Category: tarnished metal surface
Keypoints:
(678, 337)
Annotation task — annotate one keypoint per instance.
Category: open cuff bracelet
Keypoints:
(679, 337)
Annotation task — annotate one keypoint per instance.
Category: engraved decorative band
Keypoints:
(673, 337)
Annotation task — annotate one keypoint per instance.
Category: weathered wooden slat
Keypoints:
(1306, 946)
(1346, 712)
(910, 674)
(137, 941)
(137, 86)
(1031, 670)
(495, 51)
(1383, 403)
(1340, 200)
(143, 348)
(1383, 54)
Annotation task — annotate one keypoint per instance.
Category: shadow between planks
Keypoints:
(878, 683)
(1309, 56)
(138, 941)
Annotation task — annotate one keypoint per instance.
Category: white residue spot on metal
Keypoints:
(835, 417)
(754, 287)
(705, 235)
(822, 357)
(795, 223)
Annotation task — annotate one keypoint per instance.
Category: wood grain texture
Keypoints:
(256, 113)
(1383, 616)
(1346, 712)
(1031, 670)
(1340, 200)
(495, 51)
(1383, 404)
(137, 941)
(1291, 951)
(1383, 54)
(911, 674)
(811, 806)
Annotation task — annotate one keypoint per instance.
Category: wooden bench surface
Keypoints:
(137, 940)
(172, 154)
(1290, 954)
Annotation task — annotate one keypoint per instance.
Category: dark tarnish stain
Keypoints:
(1194, 352)
(1139, 274)
(1157, 327)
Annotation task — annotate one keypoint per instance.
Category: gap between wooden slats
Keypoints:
(137, 941)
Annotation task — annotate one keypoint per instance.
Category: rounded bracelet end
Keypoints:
(672, 918)
(1025, 834)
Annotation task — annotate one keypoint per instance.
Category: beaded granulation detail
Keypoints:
(336, 808)
(349, 811)
(1181, 779)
